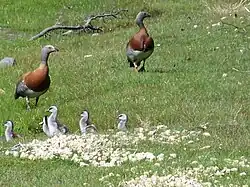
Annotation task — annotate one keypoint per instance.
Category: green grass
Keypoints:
(182, 88)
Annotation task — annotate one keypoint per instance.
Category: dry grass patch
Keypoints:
(227, 7)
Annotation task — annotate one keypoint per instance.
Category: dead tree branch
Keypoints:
(85, 27)
(240, 29)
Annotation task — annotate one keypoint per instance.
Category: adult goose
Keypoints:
(35, 83)
(141, 45)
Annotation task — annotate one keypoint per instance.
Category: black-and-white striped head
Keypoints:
(85, 115)
(9, 124)
(45, 120)
(53, 109)
(122, 117)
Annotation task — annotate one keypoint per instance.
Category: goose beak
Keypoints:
(56, 49)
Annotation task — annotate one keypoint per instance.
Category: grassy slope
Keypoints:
(183, 87)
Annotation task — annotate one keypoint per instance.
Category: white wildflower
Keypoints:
(160, 157)
(205, 147)
(206, 134)
(243, 174)
(173, 155)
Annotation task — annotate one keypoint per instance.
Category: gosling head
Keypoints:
(122, 117)
(85, 116)
(53, 109)
(9, 124)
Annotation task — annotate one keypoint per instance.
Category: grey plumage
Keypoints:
(9, 130)
(45, 127)
(140, 45)
(35, 83)
(140, 17)
(122, 124)
(7, 61)
(55, 127)
(85, 125)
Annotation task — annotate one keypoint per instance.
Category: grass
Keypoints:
(182, 88)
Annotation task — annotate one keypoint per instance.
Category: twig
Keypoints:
(240, 71)
(246, 9)
(237, 113)
(235, 26)
(86, 27)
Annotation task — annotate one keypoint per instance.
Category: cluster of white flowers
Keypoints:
(191, 176)
(162, 134)
(98, 150)
(188, 177)
(106, 150)
(115, 148)
(162, 181)
(241, 162)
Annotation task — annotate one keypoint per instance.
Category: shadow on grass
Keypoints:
(160, 70)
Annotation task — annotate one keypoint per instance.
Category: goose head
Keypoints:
(49, 49)
(140, 17)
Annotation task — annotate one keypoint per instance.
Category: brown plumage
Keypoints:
(141, 45)
(35, 83)
(39, 79)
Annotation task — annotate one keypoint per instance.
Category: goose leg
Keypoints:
(143, 67)
(131, 64)
(135, 67)
(28, 103)
(37, 98)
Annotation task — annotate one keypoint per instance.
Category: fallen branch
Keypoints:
(235, 26)
(237, 113)
(86, 27)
